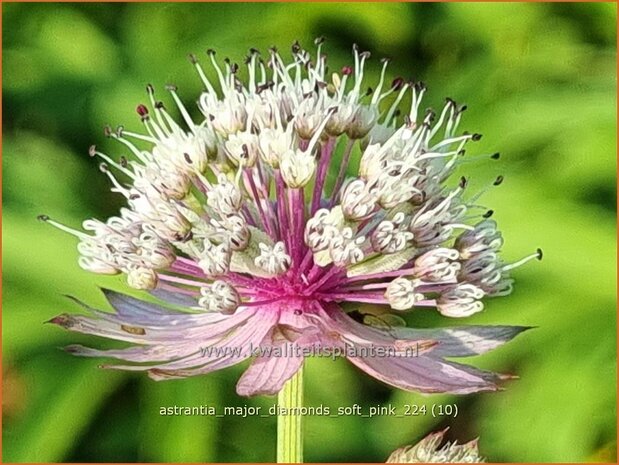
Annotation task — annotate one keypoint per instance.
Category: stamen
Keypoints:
(209, 87)
(62, 227)
(181, 107)
(92, 151)
(538, 255)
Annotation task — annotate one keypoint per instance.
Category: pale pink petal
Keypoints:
(427, 375)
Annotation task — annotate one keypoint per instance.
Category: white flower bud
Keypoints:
(309, 117)
(460, 301)
(401, 294)
(341, 120)
(297, 168)
(225, 197)
(362, 122)
(484, 237)
(142, 278)
(345, 249)
(321, 229)
(358, 201)
(228, 116)
(438, 265)
(215, 259)
(274, 143)
(274, 260)
(96, 265)
(369, 166)
(391, 236)
(219, 297)
(242, 148)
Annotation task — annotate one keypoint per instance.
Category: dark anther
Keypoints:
(333, 110)
(488, 214)
(42, 217)
(119, 130)
(463, 182)
(123, 162)
(430, 114)
(476, 137)
(419, 86)
(254, 51)
(298, 312)
(540, 254)
(211, 52)
(462, 108)
(92, 150)
(142, 110)
(234, 68)
(159, 105)
(370, 91)
(461, 152)
(245, 151)
(296, 47)
(103, 167)
(346, 71)
(407, 120)
(187, 158)
(450, 101)
(150, 89)
(498, 180)
(134, 196)
(192, 58)
(227, 60)
(397, 83)
(321, 85)
(319, 40)
(495, 156)
(355, 48)
(107, 130)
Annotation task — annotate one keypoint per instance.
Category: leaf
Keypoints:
(382, 263)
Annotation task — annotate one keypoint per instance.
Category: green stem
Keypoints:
(289, 425)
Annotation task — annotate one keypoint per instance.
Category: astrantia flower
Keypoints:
(428, 451)
(255, 221)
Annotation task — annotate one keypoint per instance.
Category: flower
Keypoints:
(253, 229)
(427, 451)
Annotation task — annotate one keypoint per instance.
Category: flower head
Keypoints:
(428, 450)
(254, 220)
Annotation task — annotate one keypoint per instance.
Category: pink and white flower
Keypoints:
(253, 228)
(429, 450)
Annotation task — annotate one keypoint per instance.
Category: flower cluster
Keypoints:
(296, 191)
(428, 451)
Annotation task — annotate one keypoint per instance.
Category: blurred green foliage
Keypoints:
(540, 82)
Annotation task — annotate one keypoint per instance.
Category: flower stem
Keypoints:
(289, 425)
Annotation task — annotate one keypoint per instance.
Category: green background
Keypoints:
(540, 83)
